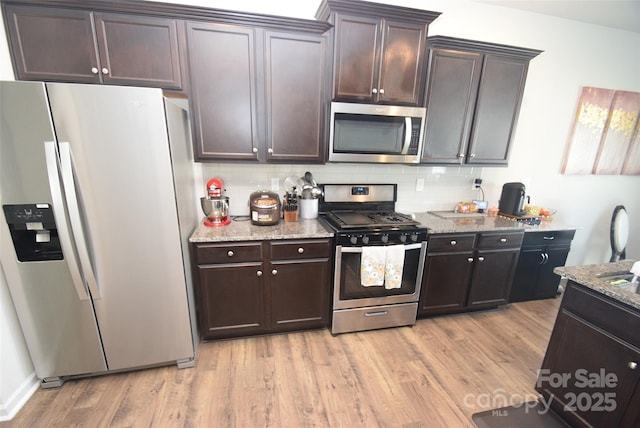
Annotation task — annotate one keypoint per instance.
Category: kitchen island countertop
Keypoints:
(483, 223)
(591, 276)
(243, 230)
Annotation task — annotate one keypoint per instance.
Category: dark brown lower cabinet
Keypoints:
(590, 371)
(541, 253)
(258, 287)
(465, 272)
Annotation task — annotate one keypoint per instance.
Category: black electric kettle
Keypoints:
(512, 199)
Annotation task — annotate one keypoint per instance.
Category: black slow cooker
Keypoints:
(264, 207)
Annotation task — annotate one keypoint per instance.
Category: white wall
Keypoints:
(575, 55)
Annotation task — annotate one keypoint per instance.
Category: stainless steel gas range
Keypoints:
(379, 257)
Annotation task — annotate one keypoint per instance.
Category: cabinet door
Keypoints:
(577, 350)
(402, 63)
(299, 294)
(138, 51)
(525, 281)
(445, 282)
(295, 97)
(497, 108)
(492, 278)
(223, 90)
(451, 96)
(231, 300)
(52, 44)
(356, 58)
(548, 281)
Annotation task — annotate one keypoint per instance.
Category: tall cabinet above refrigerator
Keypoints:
(96, 187)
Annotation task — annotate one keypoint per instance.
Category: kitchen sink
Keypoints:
(453, 214)
(622, 280)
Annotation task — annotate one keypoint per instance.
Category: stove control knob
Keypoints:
(414, 237)
(403, 238)
(353, 240)
(385, 238)
(365, 239)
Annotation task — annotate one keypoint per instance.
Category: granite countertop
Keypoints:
(484, 223)
(243, 230)
(591, 276)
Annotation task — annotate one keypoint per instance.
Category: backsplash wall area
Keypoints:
(443, 186)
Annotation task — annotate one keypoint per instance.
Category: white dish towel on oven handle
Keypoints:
(393, 266)
(372, 266)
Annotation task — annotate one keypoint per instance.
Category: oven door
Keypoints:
(349, 293)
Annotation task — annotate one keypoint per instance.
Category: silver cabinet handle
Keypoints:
(94, 70)
(255, 150)
(480, 259)
(269, 150)
(546, 258)
(374, 90)
(274, 272)
(503, 240)
(542, 260)
(470, 259)
(549, 238)
(453, 243)
(230, 253)
(632, 365)
(259, 273)
(472, 155)
(105, 70)
(381, 91)
(300, 250)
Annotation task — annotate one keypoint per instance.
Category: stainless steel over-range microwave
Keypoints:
(375, 133)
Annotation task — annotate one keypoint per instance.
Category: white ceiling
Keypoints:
(620, 14)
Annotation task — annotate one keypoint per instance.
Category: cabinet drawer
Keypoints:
(546, 238)
(500, 240)
(228, 253)
(307, 249)
(457, 242)
(604, 313)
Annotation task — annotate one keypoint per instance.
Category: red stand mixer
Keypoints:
(215, 206)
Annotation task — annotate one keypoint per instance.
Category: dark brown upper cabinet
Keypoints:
(473, 99)
(257, 95)
(81, 46)
(379, 51)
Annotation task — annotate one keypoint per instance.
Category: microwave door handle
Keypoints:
(68, 180)
(407, 135)
(64, 233)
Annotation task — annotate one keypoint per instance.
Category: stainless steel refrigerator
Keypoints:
(97, 194)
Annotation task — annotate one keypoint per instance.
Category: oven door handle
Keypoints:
(359, 249)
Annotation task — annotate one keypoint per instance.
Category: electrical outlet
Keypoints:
(419, 184)
(477, 182)
(275, 184)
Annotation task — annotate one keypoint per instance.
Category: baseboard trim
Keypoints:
(18, 399)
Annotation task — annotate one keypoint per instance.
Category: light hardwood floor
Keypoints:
(435, 374)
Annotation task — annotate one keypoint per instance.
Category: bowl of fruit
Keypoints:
(546, 214)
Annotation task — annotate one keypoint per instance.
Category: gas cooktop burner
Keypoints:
(369, 219)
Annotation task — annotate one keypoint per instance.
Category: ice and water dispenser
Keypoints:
(33, 231)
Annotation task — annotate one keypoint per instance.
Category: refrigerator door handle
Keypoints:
(53, 173)
(68, 181)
